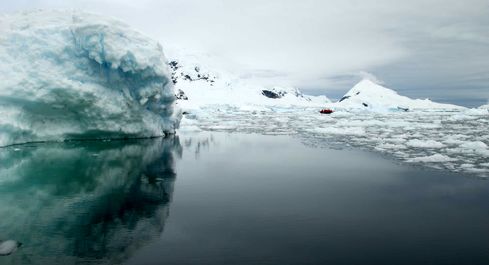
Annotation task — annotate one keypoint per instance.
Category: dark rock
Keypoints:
(365, 104)
(188, 77)
(181, 95)
(345, 97)
(404, 109)
(173, 65)
(272, 94)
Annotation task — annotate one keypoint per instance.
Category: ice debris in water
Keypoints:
(429, 137)
(8, 247)
(73, 75)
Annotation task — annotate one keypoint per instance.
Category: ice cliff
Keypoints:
(72, 75)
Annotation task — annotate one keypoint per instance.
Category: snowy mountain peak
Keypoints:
(369, 86)
(367, 89)
(372, 96)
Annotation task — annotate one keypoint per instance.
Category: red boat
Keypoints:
(326, 111)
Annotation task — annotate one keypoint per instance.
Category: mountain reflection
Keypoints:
(85, 202)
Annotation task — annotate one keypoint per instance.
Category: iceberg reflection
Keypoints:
(85, 202)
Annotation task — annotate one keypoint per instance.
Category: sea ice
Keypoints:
(431, 159)
(411, 136)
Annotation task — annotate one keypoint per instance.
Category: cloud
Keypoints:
(318, 44)
(371, 77)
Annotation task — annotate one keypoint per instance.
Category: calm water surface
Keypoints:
(216, 198)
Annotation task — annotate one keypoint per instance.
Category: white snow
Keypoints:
(367, 95)
(71, 75)
(208, 85)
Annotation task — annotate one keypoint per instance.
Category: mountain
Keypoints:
(367, 95)
(198, 85)
(484, 107)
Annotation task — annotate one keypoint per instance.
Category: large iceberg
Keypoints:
(73, 75)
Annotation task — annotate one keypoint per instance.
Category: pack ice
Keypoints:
(72, 75)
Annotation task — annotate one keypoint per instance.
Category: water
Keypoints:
(458, 138)
(218, 198)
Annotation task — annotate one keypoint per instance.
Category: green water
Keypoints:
(229, 198)
(86, 201)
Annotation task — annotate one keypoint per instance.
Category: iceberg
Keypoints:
(73, 75)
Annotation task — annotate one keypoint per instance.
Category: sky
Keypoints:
(436, 49)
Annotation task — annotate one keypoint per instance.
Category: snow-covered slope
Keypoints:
(72, 75)
(484, 107)
(368, 95)
(199, 85)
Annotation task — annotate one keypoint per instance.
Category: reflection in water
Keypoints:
(199, 142)
(85, 202)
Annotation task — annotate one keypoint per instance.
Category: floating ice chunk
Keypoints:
(391, 146)
(477, 112)
(436, 158)
(476, 147)
(454, 139)
(340, 130)
(424, 143)
(472, 168)
(8, 247)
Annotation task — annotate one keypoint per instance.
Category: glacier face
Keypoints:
(73, 75)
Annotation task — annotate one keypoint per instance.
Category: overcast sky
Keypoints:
(422, 48)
